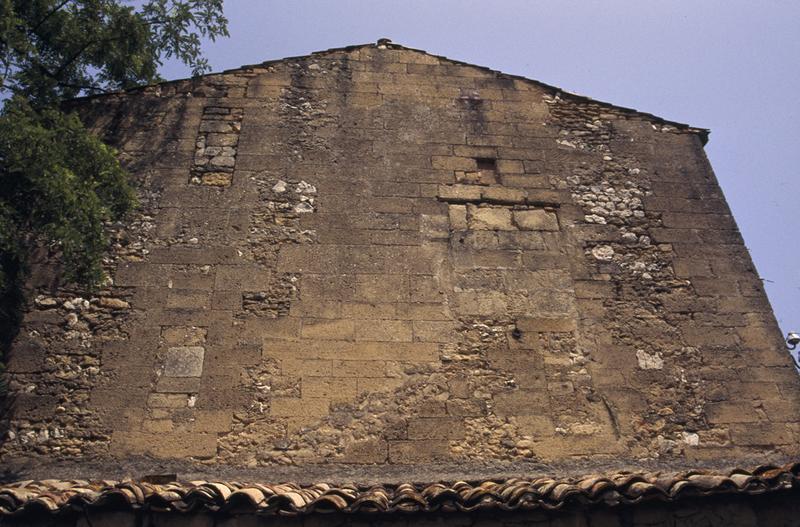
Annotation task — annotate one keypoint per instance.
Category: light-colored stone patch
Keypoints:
(216, 179)
(691, 438)
(184, 361)
(603, 253)
(649, 361)
(535, 220)
(458, 217)
(489, 218)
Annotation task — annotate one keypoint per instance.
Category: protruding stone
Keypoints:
(691, 438)
(46, 302)
(649, 361)
(113, 303)
(305, 188)
(603, 253)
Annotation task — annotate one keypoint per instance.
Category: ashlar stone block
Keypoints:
(184, 361)
(490, 218)
(536, 220)
(458, 217)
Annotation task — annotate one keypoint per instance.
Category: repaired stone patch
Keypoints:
(184, 361)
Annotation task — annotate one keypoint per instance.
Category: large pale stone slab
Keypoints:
(184, 361)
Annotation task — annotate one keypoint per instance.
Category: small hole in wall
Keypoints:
(486, 163)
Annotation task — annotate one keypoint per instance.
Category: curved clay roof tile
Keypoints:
(55, 496)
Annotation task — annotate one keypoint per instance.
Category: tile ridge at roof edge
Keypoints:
(513, 494)
(385, 43)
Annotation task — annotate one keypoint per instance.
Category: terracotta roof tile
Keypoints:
(56, 496)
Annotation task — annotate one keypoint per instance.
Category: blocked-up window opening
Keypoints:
(486, 163)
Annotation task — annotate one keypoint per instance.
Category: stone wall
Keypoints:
(375, 255)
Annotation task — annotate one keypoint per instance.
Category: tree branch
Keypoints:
(48, 15)
(65, 84)
(75, 56)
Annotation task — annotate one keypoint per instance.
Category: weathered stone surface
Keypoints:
(535, 220)
(216, 179)
(457, 215)
(489, 218)
(391, 258)
(184, 361)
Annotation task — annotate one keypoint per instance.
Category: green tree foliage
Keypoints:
(58, 183)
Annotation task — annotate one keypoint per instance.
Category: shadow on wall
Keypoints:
(42, 275)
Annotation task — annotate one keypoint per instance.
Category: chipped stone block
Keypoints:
(489, 218)
(536, 220)
(458, 217)
(113, 303)
(184, 361)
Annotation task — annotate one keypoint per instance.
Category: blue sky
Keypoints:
(731, 66)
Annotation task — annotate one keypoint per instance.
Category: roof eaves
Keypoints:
(546, 493)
